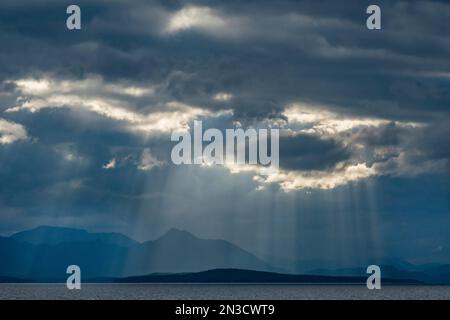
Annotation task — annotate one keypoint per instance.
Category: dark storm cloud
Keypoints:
(266, 55)
(283, 52)
(434, 144)
(387, 135)
(306, 152)
(58, 174)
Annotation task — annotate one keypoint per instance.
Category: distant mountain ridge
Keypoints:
(57, 235)
(43, 254)
(248, 276)
(425, 273)
(393, 268)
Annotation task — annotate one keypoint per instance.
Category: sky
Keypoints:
(86, 118)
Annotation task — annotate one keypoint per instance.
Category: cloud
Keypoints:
(304, 151)
(292, 180)
(110, 165)
(223, 96)
(148, 161)
(320, 121)
(11, 132)
(193, 17)
(114, 101)
(354, 106)
(69, 152)
(323, 149)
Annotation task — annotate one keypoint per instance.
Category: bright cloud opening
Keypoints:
(113, 101)
(193, 17)
(11, 132)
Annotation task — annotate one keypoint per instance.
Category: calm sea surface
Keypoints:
(219, 291)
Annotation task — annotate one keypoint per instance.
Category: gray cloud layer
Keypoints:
(302, 65)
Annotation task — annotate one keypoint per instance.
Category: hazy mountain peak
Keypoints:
(52, 235)
(47, 228)
(177, 234)
(42, 232)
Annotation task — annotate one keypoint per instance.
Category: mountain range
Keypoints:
(246, 276)
(42, 254)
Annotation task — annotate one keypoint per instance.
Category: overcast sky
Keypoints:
(86, 118)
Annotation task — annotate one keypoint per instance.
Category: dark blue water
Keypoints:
(219, 291)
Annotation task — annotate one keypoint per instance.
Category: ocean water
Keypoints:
(220, 291)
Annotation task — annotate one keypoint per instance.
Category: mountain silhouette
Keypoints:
(248, 276)
(56, 235)
(44, 253)
(179, 251)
